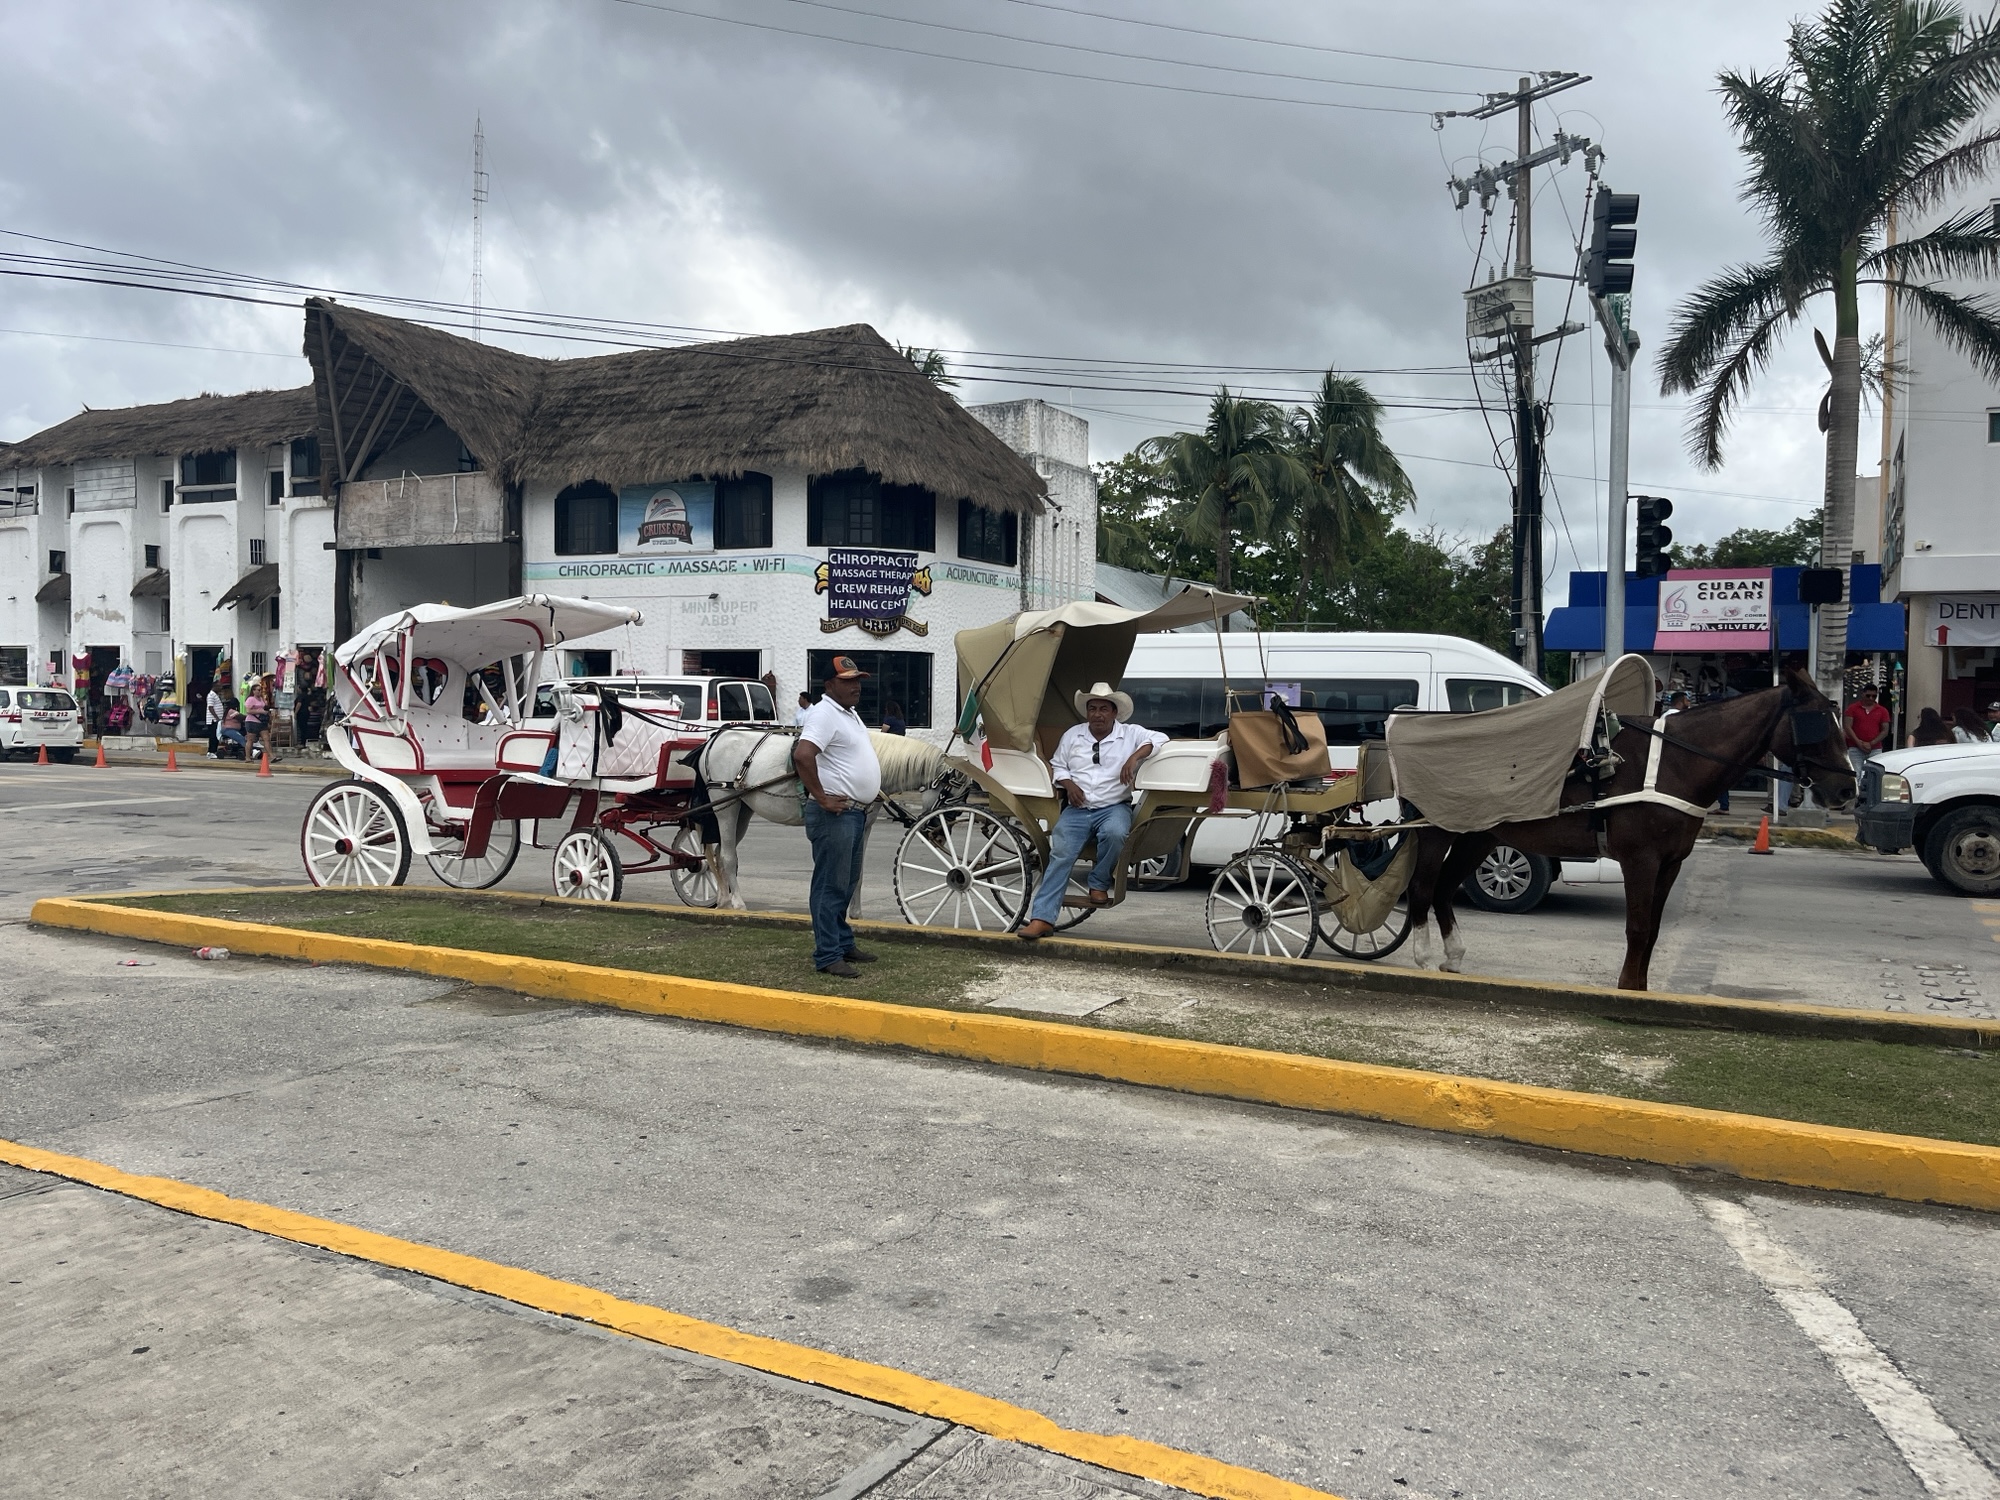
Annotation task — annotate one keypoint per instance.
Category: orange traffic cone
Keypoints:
(172, 764)
(1763, 844)
(102, 763)
(264, 762)
(42, 759)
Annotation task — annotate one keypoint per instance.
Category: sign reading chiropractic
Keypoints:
(871, 588)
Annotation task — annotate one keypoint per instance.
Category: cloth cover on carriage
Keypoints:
(646, 744)
(1470, 772)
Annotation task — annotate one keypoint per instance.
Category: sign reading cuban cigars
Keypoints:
(1714, 609)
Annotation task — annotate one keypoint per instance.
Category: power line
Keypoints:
(1012, 67)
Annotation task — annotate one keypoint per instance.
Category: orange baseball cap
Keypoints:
(844, 667)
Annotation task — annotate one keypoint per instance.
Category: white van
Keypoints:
(1353, 680)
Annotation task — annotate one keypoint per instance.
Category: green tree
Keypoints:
(1878, 107)
(930, 364)
(1136, 505)
(1353, 481)
(1239, 467)
(1424, 580)
(1747, 547)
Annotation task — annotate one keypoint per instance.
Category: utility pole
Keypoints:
(478, 215)
(1519, 331)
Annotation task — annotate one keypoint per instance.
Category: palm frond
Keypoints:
(1708, 423)
(1964, 245)
(1716, 316)
(1969, 161)
(1970, 325)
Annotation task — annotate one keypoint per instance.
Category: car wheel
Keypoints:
(63, 756)
(1963, 851)
(1509, 880)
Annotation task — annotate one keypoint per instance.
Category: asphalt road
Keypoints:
(1376, 1311)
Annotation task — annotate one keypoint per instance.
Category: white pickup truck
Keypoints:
(1943, 801)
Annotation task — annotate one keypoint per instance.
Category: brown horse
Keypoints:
(1701, 753)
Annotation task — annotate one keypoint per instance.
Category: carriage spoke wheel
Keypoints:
(963, 867)
(1263, 903)
(353, 835)
(449, 864)
(587, 867)
(695, 887)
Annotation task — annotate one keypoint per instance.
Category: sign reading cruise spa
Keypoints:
(1714, 609)
(666, 520)
(1964, 620)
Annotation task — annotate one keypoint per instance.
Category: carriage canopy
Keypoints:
(1025, 670)
(486, 632)
(1470, 772)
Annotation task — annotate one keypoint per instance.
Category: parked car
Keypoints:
(1353, 680)
(31, 717)
(1943, 801)
(705, 702)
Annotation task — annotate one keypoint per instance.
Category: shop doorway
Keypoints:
(722, 663)
(202, 662)
(103, 659)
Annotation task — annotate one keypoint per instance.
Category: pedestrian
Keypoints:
(1931, 729)
(231, 732)
(799, 713)
(214, 708)
(1968, 728)
(836, 763)
(1867, 728)
(1677, 703)
(1993, 721)
(893, 721)
(1095, 765)
(256, 720)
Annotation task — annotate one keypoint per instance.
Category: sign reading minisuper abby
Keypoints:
(1714, 609)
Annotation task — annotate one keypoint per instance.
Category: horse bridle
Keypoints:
(1810, 726)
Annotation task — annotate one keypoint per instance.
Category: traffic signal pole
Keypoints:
(1622, 345)
(1527, 427)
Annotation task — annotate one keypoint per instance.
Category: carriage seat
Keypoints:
(1022, 773)
(1181, 765)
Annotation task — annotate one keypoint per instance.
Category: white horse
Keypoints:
(750, 771)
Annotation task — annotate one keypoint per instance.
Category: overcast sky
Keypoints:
(649, 164)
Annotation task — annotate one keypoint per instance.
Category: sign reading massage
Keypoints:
(870, 588)
(1714, 609)
(666, 520)
(1965, 620)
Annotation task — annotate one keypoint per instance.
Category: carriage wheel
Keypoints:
(503, 845)
(963, 867)
(353, 835)
(695, 887)
(587, 867)
(1372, 858)
(1263, 903)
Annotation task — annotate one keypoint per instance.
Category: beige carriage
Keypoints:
(974, 862)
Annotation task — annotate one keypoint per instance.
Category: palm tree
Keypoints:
(1877, 110)
(1353, 480)
(1240, 460)
(930, 364)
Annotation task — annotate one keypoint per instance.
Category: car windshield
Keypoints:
(46, 702)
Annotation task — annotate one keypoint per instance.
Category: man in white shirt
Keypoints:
(216, 709)
(836, 762)
(1094, 767)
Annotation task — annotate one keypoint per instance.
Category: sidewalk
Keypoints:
(135, 750)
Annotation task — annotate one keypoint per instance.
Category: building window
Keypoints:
(208, 476)
(152, 557)
(743, 512)
(57, 560)
(72, 502)
(990, 536)
(14, 666)
(17, 500)
(277, 477)
(855, 509)
(274, 612)
(259, 664)
(1993, 427)
(256, 552)
(899, 677)
(166, 496)
(166, 615)
(467, 464)
(589, 663)
(586, 519)
(305, 466)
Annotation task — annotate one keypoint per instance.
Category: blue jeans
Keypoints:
(1075, 827)
(838, 840)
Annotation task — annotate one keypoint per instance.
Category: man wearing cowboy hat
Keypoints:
(1094, 767)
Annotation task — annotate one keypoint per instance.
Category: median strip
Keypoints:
(1911, 1168)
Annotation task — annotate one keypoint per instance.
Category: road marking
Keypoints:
(93, 802)
(1936, 1454)
(567, 1299)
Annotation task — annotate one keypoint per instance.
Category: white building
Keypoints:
(156, 538)
(739, 494)
(1940, 515)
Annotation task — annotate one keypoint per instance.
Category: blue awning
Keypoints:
(1870, 627)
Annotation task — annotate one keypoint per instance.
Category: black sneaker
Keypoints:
(840, 968)
(858, 956)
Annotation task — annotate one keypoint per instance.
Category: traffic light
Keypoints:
(1653, 534)
(1609, 268)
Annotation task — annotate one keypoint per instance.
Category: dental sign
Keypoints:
(1714, 609)
(1964, 620)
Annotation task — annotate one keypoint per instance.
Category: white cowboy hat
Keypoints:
(1109, 694)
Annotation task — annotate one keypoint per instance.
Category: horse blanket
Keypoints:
(1470, 772)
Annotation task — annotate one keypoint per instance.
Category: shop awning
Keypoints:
(253, 588)
(155, 585)
(55, 591)
(1870, 627)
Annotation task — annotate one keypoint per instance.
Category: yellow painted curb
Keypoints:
(835, 1372)
(1912, 1168)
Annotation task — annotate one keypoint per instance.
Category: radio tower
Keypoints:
(478, 211)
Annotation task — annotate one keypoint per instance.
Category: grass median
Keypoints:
(1946, 1093)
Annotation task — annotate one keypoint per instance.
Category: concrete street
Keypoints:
(1375, 1311)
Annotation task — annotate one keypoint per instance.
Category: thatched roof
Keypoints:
(202, 424)
(834, 399)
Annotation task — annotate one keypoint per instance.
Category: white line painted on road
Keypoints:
(1936, 1454)
(93, 802)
